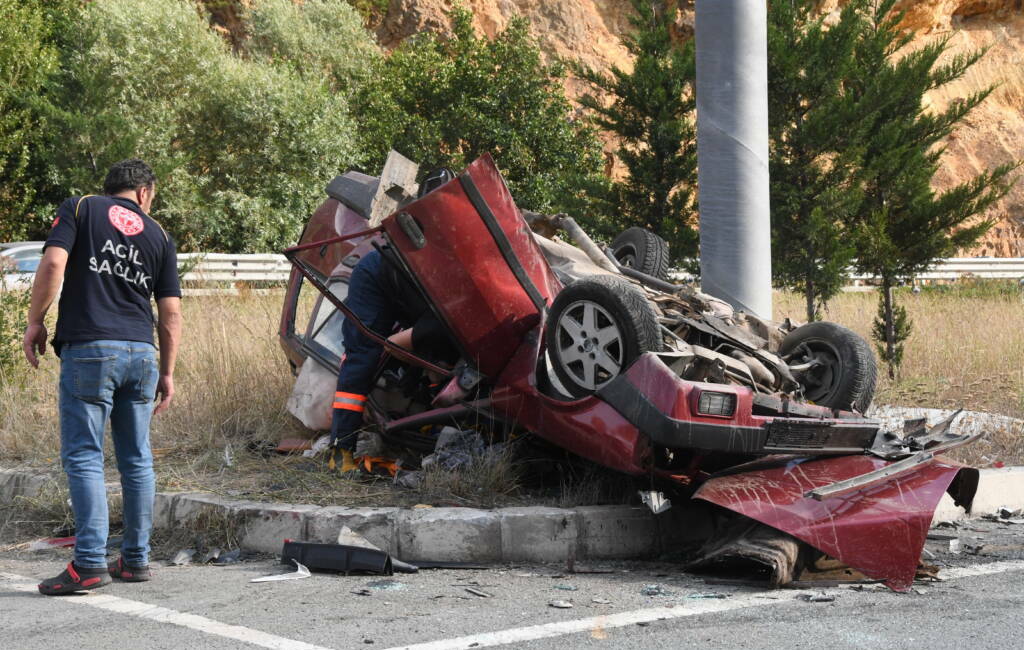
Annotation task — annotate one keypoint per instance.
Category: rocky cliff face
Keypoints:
(590, 30)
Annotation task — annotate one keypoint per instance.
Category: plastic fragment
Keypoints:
(818, 598)
(182, 557)
(954, 546)
(300, 572)
(386, 585)
(600, 601)
(51, 542)
(566, 587)
(656, 501)
(209, 556)
(654, 590)
(560, 604)
(706, 595)
(229, 557)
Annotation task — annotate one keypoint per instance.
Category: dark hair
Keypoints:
(128, 175)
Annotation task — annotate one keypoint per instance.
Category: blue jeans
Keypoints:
(100, 381)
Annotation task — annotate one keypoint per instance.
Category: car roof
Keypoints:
(19, 244)
(11, 248)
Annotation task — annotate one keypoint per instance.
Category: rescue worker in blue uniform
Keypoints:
(381, 297)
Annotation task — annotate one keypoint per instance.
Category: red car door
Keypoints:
(474, 256)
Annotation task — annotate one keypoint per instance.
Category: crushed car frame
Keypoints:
(632, 372)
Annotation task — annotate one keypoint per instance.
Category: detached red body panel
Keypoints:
(879, 530)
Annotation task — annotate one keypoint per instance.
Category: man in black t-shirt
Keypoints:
(113, 258)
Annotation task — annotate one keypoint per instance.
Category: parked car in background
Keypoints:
(18, 263)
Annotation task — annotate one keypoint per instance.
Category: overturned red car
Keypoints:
(591, 351)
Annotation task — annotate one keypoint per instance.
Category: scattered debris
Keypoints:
(656, 501)
(654, 590)
(229, 557)
(182, 557)
(341, 558)
(386, 585)
(362, 592)
(600, 601)
(818, 598)
(942, 536)
(1008, 513)
(566, 587)
(479, 592)
(300, 572)
(51, 542)
(320, 445)
(707, 596)
(919, 591)
(927, 572)
(954, 546)
(560, 604)
(209, 556)
(455, 448)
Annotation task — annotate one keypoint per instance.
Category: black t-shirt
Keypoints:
(118, 257)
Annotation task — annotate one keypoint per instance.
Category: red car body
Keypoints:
(477, 263)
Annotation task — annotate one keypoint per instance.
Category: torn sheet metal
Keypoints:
(879, 530)
(656, 501)
(300, 572)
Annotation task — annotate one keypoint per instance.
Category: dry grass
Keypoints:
(232, 382)
(967, 350)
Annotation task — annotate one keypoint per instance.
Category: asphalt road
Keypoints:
(979, 604)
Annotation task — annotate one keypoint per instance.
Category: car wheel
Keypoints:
(640, 249)
(596, 327)
(843, 371)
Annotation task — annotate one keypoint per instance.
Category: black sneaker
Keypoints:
(73, 579)
(122, 571)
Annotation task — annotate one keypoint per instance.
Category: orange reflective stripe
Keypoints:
(355, 396)
(349, 407)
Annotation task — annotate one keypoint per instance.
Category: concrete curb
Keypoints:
(521, 534)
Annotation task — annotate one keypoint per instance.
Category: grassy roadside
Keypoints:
(967, 350)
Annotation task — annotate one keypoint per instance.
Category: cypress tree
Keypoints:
(902, 226)
(652, 114)
(812, 189)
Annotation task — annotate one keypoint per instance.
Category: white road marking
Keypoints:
(598, 624)
(165, 615)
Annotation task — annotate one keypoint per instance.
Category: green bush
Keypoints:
(242, 145)
(319, 39)
(27, 61)
(447, 101)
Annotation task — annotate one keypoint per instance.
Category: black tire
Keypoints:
(846, 379)
(624, 326)
(640, 249)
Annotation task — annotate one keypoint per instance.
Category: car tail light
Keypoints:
(715, 403)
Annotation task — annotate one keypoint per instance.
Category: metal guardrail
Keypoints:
(225, 270)
(220, 267)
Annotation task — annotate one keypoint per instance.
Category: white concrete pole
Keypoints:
(732, 153)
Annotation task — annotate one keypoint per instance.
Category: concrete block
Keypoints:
(688, 523)
(449, 535)
(998, 487)
(375, 525)
(21, 483)
(189, 506)
(267, 525)
(163, 509)
(613, 532)
(538, 534)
